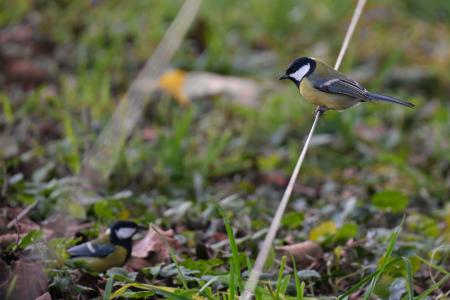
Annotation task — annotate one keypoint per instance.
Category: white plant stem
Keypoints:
(263, 253)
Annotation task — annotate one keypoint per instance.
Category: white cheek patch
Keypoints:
(125, 232)
(300, 73)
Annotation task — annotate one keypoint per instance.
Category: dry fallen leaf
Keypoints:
(30, 280)
(45, 296)
(304, 253)
(154, 245)
(187, 86)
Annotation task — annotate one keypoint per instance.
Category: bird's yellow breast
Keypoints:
(333, 101)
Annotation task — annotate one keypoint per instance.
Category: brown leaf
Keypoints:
(9, 238)
(149, 134)
(304, 253)
(135, 264)
(187, 86)
(5, 273)
(26, 70)
(45, 296)
(30, 280)
(154, 245)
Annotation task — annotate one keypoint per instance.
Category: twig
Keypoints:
(22, 214)
(100, 160)
(262, 255)
(5, 183)
(4, 188)
(351, 28)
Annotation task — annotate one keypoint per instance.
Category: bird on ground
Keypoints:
(109, 250)
(328, 88)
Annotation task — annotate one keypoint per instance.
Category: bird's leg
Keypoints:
(321, 110)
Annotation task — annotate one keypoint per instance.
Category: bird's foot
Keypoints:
(320, 110)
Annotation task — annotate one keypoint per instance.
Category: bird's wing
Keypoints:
(342, 86)
(91, 250)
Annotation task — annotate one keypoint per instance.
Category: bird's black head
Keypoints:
(298, 69)
(121, 233)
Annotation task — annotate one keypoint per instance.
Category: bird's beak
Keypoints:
(283, 77)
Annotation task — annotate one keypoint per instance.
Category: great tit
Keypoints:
(109, 250)
(322, 85)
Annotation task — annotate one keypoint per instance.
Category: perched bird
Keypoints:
(321, 84)
(107, 251)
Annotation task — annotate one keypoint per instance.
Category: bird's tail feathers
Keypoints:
(379, 97)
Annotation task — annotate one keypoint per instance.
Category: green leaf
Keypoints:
(347, 231)
(120, 274)
(31, 237)
(422, 224)
(392, 201)
(308, 274)
(323, 231)
(204, 266)
(292, 219)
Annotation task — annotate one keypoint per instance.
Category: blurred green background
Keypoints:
(66, 64)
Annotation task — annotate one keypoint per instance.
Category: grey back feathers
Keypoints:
(342, 86)
(91, 250)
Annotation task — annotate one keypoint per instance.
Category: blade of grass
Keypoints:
(249, 263)
(232, 284)
(390, 248)
(177, 265)
(163, 290)
(233, 246)
(211, 281)
(7, 109)
(280, 276)
(431, 265)
(409, 277)
(73, 157)
(108, 289)
(284, 285)
(11, 286)
(302, 290)
(299, 287)
(433, 287)
(366, 279)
